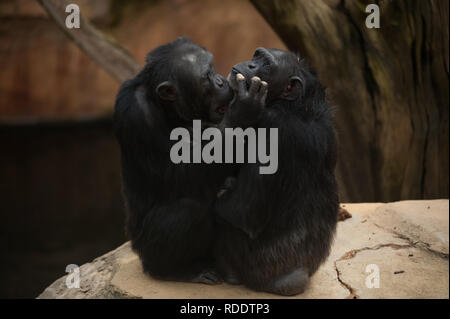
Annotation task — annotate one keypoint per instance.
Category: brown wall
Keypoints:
(44, 75)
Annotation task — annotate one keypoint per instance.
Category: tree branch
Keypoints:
(99, 46)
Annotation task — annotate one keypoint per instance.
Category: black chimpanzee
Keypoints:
(277, 229)
(170, 218)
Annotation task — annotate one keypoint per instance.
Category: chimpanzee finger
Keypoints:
(262, 94)
(254, 86)
(242, 87)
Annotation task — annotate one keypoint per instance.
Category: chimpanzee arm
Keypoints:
(303, 148)
(180, 223)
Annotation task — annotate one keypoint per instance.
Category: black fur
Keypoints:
(277, 229)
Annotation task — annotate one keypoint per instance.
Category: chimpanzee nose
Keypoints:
(251, 65)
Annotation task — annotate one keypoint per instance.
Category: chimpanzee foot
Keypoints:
(232, 279)
(343, 214)
(208, 276)
(293, 283)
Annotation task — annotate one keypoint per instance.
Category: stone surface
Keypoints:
(406, 241)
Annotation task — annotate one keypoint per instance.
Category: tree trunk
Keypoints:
(389, 86)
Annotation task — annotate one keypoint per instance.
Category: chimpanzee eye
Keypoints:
(218, 81)
(206, 75)
(257, 54)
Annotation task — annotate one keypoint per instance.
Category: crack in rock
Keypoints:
(416, 244)
(352, 253)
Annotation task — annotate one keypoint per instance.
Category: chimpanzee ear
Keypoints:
(294, 88)
(167, 91)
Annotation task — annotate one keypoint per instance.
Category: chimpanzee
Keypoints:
(277, 229)
(170, 220)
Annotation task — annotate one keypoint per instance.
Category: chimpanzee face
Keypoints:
(194, 86)
(280, 69)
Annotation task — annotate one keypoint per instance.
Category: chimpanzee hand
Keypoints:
(248, 103)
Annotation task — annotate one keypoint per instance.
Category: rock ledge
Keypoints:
(406, 241)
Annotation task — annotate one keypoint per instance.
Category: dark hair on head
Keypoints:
(159, 63)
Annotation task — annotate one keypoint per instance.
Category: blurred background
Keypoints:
(60, 185)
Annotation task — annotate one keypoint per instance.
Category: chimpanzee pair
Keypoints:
(212, 222)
